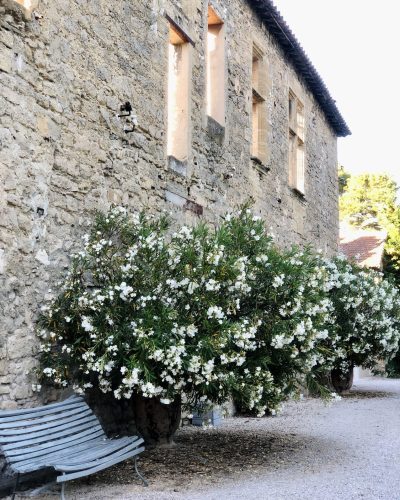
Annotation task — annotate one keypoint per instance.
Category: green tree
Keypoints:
(343, 178)
(369, 200)
(392, 249)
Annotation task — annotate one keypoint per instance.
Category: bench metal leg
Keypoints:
(62, 493)
(15, 486)
(140, 475)
(39, 491)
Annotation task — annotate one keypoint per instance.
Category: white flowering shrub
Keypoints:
(365, 315)
(208, 313)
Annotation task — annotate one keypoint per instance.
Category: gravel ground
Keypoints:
(347, 450)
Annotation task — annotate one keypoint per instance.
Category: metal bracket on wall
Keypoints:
(130, 119)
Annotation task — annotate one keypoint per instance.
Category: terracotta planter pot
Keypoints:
(342, 381)
(156, 422)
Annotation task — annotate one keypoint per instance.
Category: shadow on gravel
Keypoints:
(360, 394)
(208, 456)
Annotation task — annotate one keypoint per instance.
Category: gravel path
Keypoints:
(347, 450)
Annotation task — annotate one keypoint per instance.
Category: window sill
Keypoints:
(177, 166)
(259, 165)
(257, 97)
(21, 8)
(215, 130)
(299, 194)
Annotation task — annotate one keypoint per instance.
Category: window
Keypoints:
(215, 68)
(296, 144)
(259, 116)
(178, 96)
(28, 5)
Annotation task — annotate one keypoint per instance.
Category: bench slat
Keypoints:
(89, 464)
(52, 422)
(16, 455)
(14, 420)
(40, 409)
(26, 425)
(84, 441)
(50, 437)
(40, 461)
(60, 455)
(112, 447)
(87, 472)
(30, 436)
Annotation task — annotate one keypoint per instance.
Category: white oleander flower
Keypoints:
(86, 324)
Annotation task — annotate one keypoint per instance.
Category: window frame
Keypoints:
(297, 150)
(216, 87)
(178, 149)
(258, 106)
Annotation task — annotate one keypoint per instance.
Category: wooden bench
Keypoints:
(66, 437)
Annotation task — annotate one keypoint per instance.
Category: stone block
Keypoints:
(8, 405)
(42, 257)
(3, 367)
(19, 347)
(7, 38)
(2, 261)
(47, 128)
(6, 57)
(23, 391)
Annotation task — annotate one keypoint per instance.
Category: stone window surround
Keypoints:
(296, 144)
(216, 69)
(27, 6)
(259, 112)
(179, 98)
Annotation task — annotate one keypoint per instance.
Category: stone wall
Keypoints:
(65, 70)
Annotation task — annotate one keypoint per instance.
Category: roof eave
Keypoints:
(278, 27)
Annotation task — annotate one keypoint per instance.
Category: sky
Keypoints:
(355, 47)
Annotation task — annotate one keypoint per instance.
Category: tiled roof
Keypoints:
(365, 247)
(296, 54)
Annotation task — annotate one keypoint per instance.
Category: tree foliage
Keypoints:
(369, 200)
(343, 179)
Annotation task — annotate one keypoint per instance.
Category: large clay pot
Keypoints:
(156, 422)
(342, 381)
(116, 415)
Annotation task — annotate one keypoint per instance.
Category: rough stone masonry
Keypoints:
(66, 67)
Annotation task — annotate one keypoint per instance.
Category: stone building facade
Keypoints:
(67, 70)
